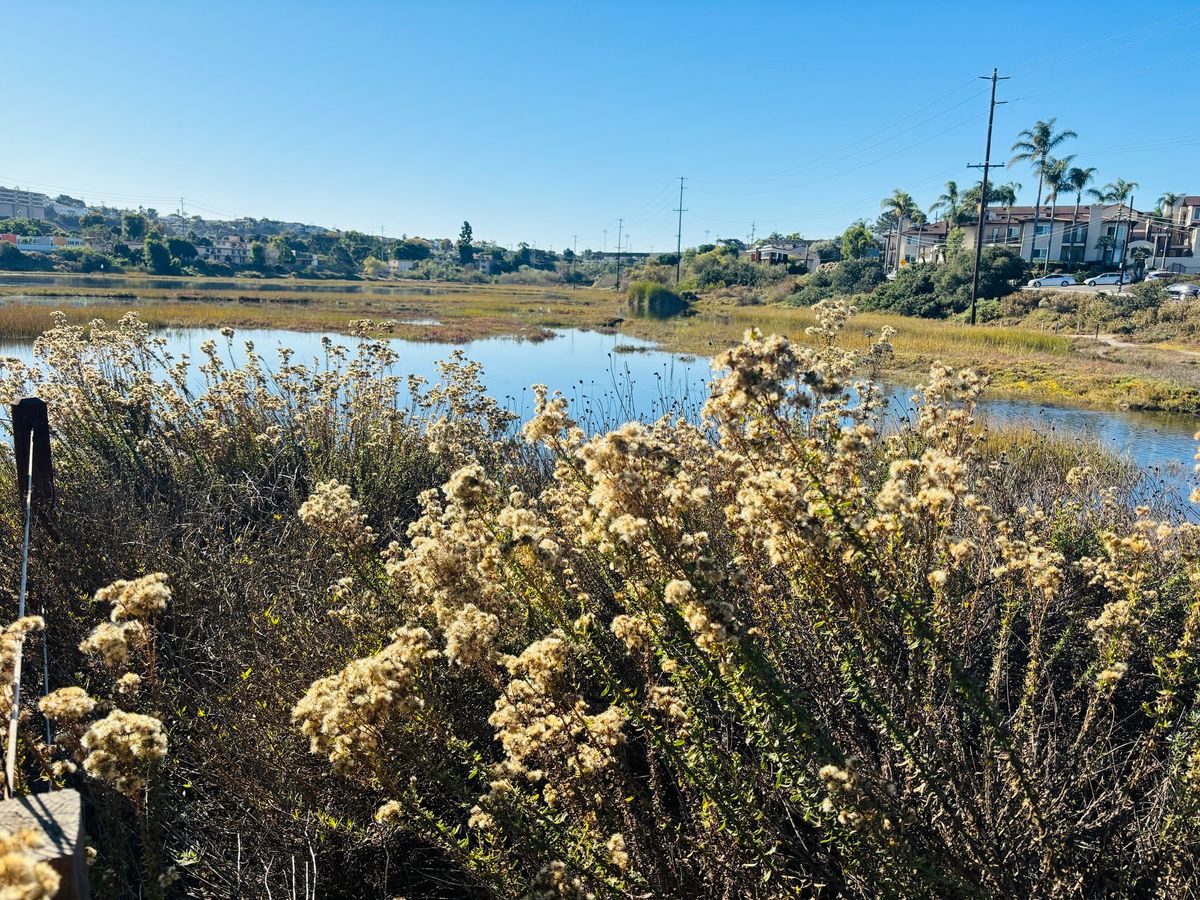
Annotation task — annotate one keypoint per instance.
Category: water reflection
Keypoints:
(612, 378)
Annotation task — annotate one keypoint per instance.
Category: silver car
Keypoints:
(1058, 279)
(1184, 291)
(1108, 278)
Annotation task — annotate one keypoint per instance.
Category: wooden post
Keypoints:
(58, 817)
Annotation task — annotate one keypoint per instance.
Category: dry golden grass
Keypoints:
(1021, 361)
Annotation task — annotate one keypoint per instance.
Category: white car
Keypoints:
(1184, 291)
(1108, 278)
(1057, 279)
(1158, 275)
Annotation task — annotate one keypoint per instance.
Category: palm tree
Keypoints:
(1116, 192)
(1165, 204)
(1007, 194)
(1056, 181)
(900, 204)
(1033, 145)
(1077, 180)
(951, 203)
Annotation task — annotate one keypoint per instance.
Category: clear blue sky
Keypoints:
(539, 121)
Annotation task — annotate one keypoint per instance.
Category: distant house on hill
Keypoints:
(785, 252)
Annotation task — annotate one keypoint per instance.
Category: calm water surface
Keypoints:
(607, 384)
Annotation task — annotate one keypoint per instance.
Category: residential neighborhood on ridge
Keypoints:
(63, 228)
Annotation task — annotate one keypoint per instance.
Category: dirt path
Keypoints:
(1111, 340)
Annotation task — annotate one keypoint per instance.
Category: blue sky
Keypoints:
(540, 121)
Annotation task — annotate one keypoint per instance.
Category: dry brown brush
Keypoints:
(784, 651)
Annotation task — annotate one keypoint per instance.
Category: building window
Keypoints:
(1043, 228)
(1039, 253)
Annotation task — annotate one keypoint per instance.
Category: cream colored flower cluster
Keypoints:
(121, 749)
(67, 705)
(11, 639)
(332, 512)
(141, 598)
(22, 875)
(345, 715)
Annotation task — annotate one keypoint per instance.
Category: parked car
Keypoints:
(1158, 275)
(1184, 291)
(1108, 278)
(1057, 279)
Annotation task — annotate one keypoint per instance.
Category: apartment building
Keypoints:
(1061, 235)
(18, 204)
(233, 251)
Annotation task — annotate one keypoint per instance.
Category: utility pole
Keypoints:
(706, 230)
(574, 253)
(1125, 240)
(987, 166)
(679, 233)
(620, 225)
(752, 224)
(605, 240)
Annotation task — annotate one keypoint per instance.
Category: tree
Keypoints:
(466, 253)
(1033, 145)
(1077, 180)
(1007, 194)
(133, 226)
(1056, 181)
(412, 249)
(258, 255)
(950, 204)
(828, 251)
(857, 241)
(283, 251)
(374, 268)
(900, 204)
(181, 249)
(157, 258)
(1165, 205)
(91, 218)
(1118, 192)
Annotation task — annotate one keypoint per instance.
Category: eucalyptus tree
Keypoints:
(900, 204)
(1078, 180)
(1033, 145)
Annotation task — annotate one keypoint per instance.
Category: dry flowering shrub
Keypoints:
(12, 638)
(69, 704)
(122, 749)
(22, 875)
(793, 647)
(788, 649)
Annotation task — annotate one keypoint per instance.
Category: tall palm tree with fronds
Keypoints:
(950, 204)
(1007, 194)
(901, 205)
(1165, 203)
(1077, 180)
(1055, 177)
(1118, 192)
(1033, 145)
